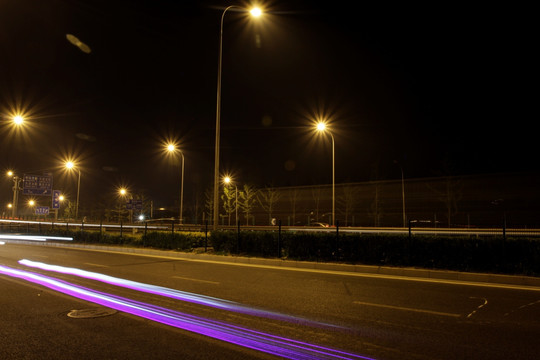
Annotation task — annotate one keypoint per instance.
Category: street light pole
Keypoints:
(172, 148)
(333, 181)
(254, 12)
(227, 180)
(321, 126)
(218, 120)
(16, 188)
(182, 189)
(78, 192)
(123, 192)
(236, 203)
(70, 165)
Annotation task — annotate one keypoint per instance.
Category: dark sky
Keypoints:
(441, 88)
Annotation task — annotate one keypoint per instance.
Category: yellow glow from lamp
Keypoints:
(255, 12)
(18, 119)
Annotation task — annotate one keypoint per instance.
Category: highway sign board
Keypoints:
(37, 184)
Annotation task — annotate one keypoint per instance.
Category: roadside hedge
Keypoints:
(491, 254)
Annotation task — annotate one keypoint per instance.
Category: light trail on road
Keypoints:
(34, 237)
(260, 341)
(173, 293)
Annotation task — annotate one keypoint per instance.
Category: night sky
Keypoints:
(438, 88)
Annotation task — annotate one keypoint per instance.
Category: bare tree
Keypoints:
(229, 203)
(450, 194)
(247, 198)
(208, 203)
(293, 198)
(316, 193)
(376, 208)
(267, 199)
(348, 201)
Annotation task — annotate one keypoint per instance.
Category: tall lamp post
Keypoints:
(227, 181)
(123, 192)
(16, 187)
(71, 165)
(256, 12)
(321, 126)
(172, 148)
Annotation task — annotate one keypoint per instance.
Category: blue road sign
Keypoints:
(56, 199)
(42, 210)
(37, 184)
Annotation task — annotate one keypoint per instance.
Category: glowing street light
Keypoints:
(255, 12)
(172, 148)
(71, 165)
(321, 126)
(18, 119)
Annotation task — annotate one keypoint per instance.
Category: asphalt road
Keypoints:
(239, 311)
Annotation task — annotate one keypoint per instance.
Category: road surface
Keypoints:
(66, 303)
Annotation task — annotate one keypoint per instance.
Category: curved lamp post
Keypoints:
(256, 12)
(70, 165)
(172, 148)
(321, 126)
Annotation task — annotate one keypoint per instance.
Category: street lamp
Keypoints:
(16, 187)
(123, 192)
(61, 198)
(18, 119)
(70, 165)
(255, 12)
(31, 205)
(172, 148)
(227, 180)
(321, 126)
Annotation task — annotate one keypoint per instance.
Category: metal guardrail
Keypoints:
(23, 226)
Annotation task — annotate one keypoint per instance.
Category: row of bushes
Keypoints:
(482, 254)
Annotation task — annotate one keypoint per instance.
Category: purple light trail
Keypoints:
(268, 343)
(172, 293)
